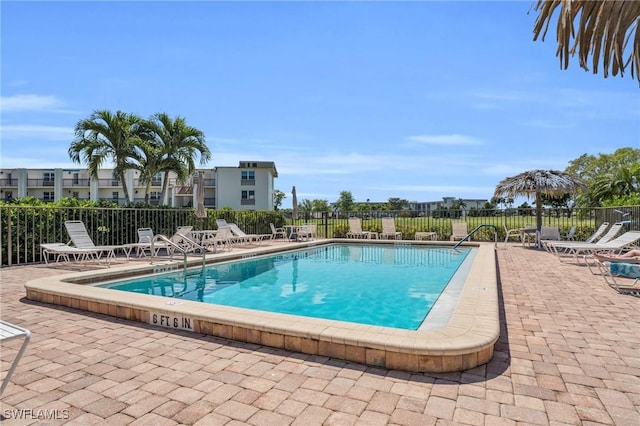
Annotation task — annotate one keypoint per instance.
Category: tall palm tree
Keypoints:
(106, 136)
(179, 146)
(605, 28)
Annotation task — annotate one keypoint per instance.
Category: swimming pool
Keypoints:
(465, 339)
(384, 285)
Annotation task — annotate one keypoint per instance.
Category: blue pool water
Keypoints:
(386, 285)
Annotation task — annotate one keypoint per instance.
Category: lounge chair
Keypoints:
(65, 252)
(81, 239)
(307, 231)
(515, 232)
(355, 230)
(145, 242)
(568, 236)
(389, 229)
(613, 270)
(221, 238)
(9, 332)
(554, 246)
(243, 237)
(459, 231)
(275, 232)
(576, 249)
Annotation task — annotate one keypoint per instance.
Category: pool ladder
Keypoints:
(495, 234)
(180, 249)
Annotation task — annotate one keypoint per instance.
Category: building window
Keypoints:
(47, 179)
(75, 195)
(48, 196)
(156, 180)
(154, 195)
(115, 195)
(248, 177)
(115, 180)
(248, 195)
(76, 179)
(8, 195)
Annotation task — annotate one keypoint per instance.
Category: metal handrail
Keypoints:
(495, 233)
(179, 248)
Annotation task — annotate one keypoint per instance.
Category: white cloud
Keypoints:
(30, 103)
(453, 139)
(51, 133)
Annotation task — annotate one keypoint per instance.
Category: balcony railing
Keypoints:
(209, 182)
(251, 202)
(75, 182)
(108, 182)
(210, 202)
(9, 182)
(247, 182)
(155, 182)
(40, 182)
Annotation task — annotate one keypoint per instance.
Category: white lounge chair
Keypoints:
(145, 242)
(554, 246)
(389, 229)
(66, 252)
(613, 270)
(9, 332)
(576, 249)
(459, 231)
(81, 239)
(222, 237)
(307, 231)
(355, 230)
(243, 237)
(275, 232)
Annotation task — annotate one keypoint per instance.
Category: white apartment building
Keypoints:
(427, 207)
(249, 186)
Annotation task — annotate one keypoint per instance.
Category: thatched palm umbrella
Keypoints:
(537, 182)
(605, 29)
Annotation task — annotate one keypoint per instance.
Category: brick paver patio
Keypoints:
(569, 353)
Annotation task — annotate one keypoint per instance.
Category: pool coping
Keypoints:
(466, 342)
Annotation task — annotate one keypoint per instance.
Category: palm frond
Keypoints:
(606, 31)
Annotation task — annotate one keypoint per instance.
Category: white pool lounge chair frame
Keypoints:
(355, 230)
(389, 229)
(81, 239)
(9, 332)
(576, 249)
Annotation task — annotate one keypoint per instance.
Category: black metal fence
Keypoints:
(23, 228)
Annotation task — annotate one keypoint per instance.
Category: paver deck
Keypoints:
(569, 353)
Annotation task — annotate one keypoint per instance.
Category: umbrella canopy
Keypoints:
(201, 212)
(553, 183)
(294, 197)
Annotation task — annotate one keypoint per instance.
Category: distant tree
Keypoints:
(320, 205)
(559, 204)
(278, 198)
(107, 136)
(346, 202)
(397, 203)
(618, 184)
(305, 206)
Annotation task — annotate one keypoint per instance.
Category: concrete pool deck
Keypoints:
(465, 342)
(567, 354)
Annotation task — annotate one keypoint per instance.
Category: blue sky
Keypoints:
(417, 100)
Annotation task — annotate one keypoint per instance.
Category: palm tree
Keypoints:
(106, 136)
(605, 28)
(179, 145)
